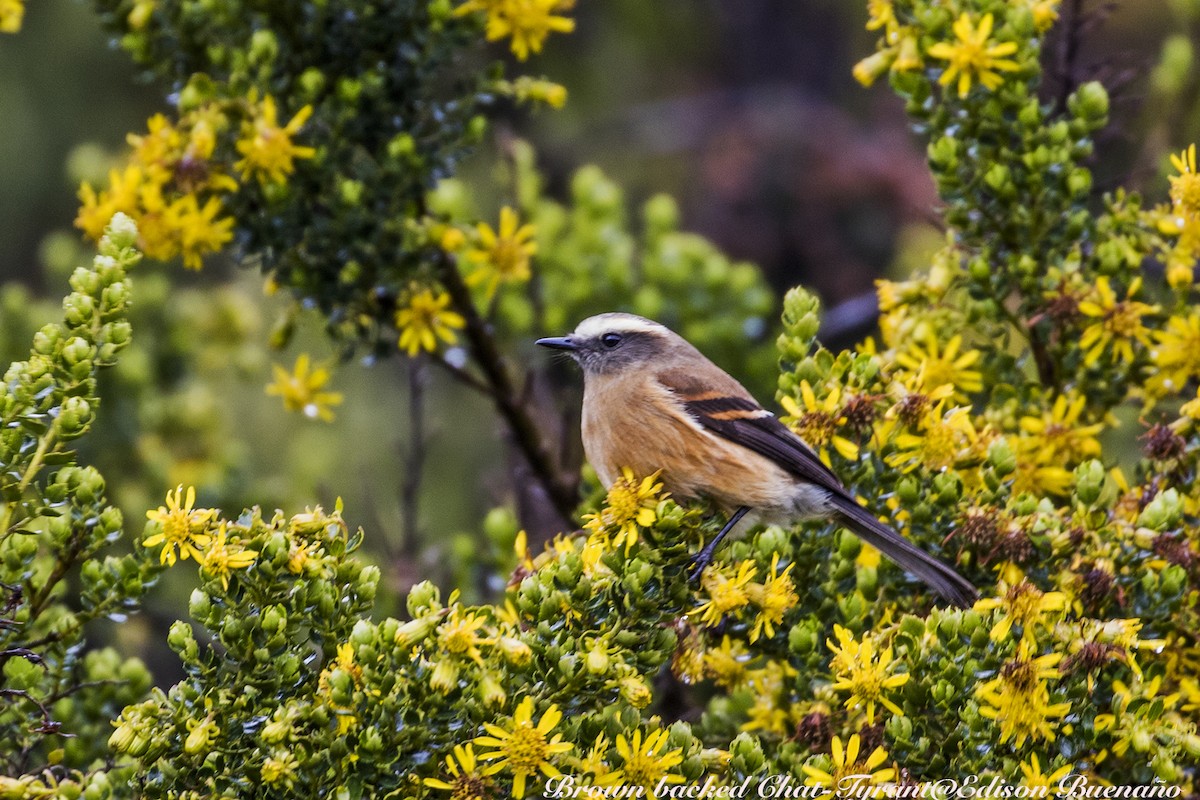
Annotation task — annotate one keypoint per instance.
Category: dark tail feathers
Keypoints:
(941, 578)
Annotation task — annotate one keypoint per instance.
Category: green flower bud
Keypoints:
(121, 233)
(1090, 103)
(1089, 481)
(801, 320)
(415, 631)
(445, 676)
(746, 754)
(1001, 457)
(199, 605)
(274, 619)
(635, 691)
(908, 490)
(74, 417)
(1079, 182)
(77, 350)
(515, 650)
(491, 692)
(1163, 512)
(424, 598)
(264, 47)
(501, 527)
(597, 661)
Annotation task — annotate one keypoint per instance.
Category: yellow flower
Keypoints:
(181, 526)
(933, 367)
(268, 152)
(220, 557)
(769, 687)
(1185, 187)
(301, 389)
(528, 22)
(158, 150)
(1059, 437)
(459, 634)
(726, 664)
(198, 229)
(846, 764)
(774, 597)
(642, 765)
(201, 735)
(595, 764)
(631, 503)
(97, 208)
(1033, 777)
(525, 748)
(1023, 604)
(1118, 323)
(817, 422)
(1019, 699)
(538, 90)
(503, 256)
(725, 592)
(11, 14)
(943, 439)
(425, 319)
(1191, 409)
(280, 767)
(972, 57)
(343, 662)
(1176, 354)
(880, 14)
(863, 673)
(1045, 13)
(466, 782)
(1135, 728)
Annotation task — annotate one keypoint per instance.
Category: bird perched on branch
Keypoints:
(652, 401)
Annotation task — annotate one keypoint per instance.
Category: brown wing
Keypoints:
(729, 411)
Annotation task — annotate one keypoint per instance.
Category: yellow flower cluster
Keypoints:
(632, 503)
(971, 57)
(1181, 220)
(185, 531)
(177, 177)
(526, 22)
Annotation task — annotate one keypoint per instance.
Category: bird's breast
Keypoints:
(646, 429)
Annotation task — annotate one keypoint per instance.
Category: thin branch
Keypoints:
(525, 433)
(414, 458)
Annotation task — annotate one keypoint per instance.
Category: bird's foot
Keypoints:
(700, 563)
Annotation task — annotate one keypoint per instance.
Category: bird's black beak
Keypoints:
(558, 343)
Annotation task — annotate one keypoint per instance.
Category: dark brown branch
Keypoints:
(525, 433)
(414, 458)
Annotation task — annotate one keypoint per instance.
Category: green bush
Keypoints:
(982, 423)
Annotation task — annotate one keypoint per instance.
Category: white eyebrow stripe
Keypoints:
(616, 323)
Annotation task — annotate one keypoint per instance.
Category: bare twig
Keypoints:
(414, 458)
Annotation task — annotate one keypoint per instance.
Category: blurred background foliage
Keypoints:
(745, 113)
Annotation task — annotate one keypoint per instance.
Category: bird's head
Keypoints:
(608, 343)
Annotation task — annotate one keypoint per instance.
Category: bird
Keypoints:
(652, 402)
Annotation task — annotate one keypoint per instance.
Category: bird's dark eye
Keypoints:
(610, 340)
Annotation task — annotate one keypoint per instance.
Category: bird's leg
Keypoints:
(705, 556)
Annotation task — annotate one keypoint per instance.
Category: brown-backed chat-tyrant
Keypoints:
(652, 401)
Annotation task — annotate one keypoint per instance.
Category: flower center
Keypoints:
(817, 428)
(1125, 320)
(526, 749)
